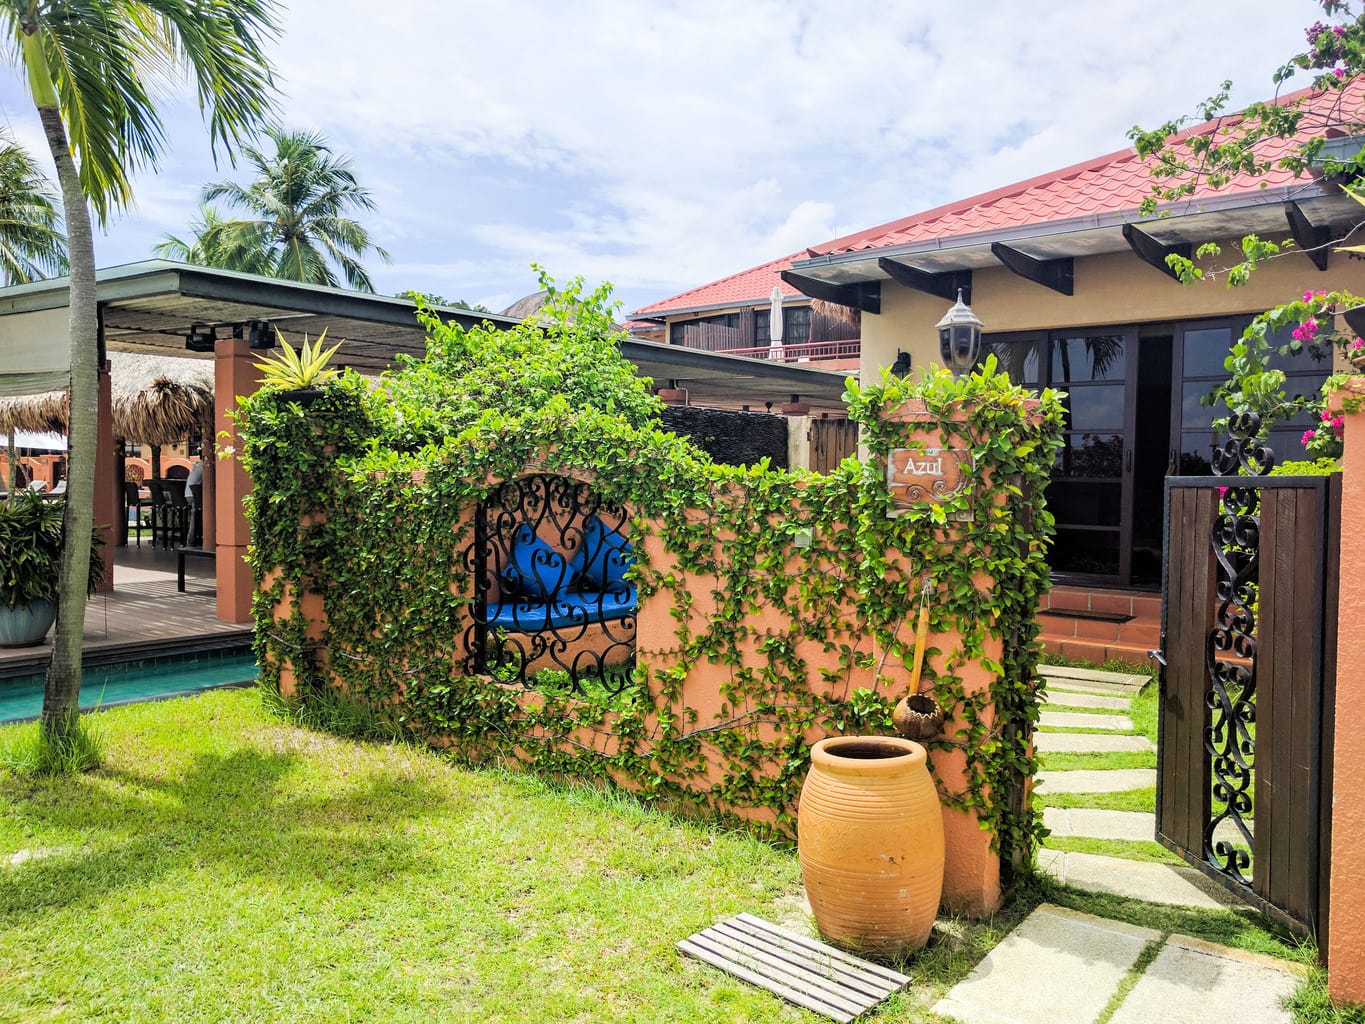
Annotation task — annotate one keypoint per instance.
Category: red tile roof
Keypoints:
(745, 288)
(1115, 182)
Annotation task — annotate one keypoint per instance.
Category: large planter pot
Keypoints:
(870, 839)
(26, 625)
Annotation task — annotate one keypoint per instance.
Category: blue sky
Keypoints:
(663, 145)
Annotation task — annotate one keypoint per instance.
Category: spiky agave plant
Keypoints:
(307, 368)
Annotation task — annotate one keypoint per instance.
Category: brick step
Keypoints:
(1137, 603)
(1097, 651)
(1136, 632)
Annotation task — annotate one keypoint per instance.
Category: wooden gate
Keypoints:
(1244, 782)
(831, 441)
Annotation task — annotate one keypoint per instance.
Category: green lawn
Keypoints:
(224, 865)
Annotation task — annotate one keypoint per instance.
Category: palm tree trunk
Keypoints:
(61, 696)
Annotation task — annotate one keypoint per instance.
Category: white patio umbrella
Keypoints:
(775, 324)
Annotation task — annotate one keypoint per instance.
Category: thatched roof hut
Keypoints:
(156, 400)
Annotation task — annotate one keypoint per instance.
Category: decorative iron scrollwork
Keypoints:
(554, 608)
(1230, 652)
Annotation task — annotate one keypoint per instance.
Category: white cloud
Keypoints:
(664, 144)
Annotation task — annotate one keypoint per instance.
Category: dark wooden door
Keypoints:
(1248, 635)
(831, 441)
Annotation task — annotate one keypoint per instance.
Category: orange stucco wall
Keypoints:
(1346, 942)
(706, 700)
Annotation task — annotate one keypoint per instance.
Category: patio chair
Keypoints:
(134, 507)
(162, 513)
(179, 513)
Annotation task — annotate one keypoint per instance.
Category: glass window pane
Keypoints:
(1084, 504)
(1090, 455)
(1097, 357)
(1196, 452)
(1288, 445)
(1087, 551)
(1096, 408)
(1206, 351)
(1193, 413)
(1018, 359)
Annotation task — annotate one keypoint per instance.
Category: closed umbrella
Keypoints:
(775, 324)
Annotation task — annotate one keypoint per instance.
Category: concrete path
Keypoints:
(1089, 743)
(1075, 699)
(1081, 720)
(1133, 826)
(1063, 967)
(1136, 880)
(1112, 781)
(1089, 680)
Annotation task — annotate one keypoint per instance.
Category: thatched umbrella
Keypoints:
(156, 400)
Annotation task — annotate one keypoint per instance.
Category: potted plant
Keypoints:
(296, 376)
(30, 562)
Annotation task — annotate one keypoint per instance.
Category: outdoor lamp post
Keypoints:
(959, 337)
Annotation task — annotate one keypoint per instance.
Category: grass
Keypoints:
(1125, 848)
(224, 864)
(27, 750)
(1128, 800)
(1060, 761)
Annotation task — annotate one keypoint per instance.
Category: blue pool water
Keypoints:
(105, 685)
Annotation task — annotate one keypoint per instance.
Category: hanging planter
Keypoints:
(918, 717)
(870, 841)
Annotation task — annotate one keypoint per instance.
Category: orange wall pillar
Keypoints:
(1346, 938)
(233, 376)
(108, 491)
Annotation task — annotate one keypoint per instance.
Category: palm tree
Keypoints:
(32, 245)
(89, 65)
(212, 244)
(298, 204)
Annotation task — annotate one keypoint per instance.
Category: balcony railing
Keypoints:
(806, 351)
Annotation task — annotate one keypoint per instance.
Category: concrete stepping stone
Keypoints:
(1079, 720)
(1089, 743)
(1057, 967)
(1091, 680)
(1194, 982)
(1112, 781)
(1139, 880)
(1071, 699)
(1091, 823)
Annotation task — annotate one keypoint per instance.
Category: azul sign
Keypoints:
(920, 476)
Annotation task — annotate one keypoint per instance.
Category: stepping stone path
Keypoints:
(1064, 967)
(1097, 693)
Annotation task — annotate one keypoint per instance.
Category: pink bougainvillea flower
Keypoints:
(1307, 438)
(1326, 415)
(1339, 72)
(1308, 296)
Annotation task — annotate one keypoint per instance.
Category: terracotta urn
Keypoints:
(870, 841)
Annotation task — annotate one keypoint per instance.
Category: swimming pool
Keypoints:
(21, 698)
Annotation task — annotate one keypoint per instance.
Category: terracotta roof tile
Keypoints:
(1115, 182)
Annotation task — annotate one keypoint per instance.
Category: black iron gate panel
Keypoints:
(1248, 636)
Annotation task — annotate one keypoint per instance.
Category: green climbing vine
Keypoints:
(790, 595)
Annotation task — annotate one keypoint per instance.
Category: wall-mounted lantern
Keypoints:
(959, 337)
(901, 367)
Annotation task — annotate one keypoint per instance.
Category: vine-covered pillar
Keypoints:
(931, 463)
(234, 376)
(1346, 914)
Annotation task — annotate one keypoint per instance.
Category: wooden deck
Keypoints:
(145, 615)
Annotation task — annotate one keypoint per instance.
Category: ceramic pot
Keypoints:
(870, 840)
(26, 625)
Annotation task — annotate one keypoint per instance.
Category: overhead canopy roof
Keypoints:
(150, 307)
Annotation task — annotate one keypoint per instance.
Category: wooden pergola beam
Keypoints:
(1152, 252)
(863, 295)
(945, 285)
(1313, 240)
(1059, 274)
